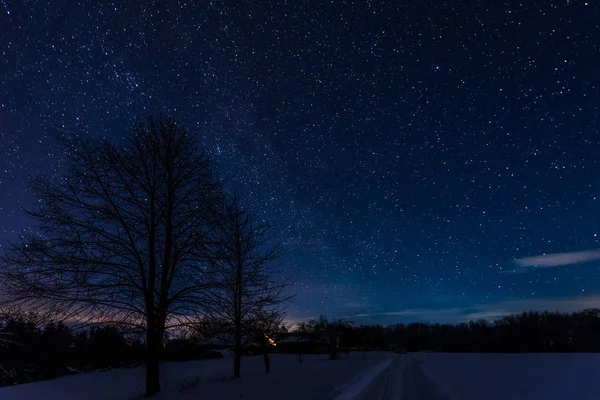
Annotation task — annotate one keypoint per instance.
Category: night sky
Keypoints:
(422, 160)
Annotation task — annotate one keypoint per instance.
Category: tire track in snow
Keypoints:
(417, 385)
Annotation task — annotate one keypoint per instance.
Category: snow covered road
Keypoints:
(417, 385)
(453, 376)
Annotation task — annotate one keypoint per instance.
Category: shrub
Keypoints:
(188, 383)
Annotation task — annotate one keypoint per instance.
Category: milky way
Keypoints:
(411, 153)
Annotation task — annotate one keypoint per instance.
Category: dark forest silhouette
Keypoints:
(32, 348)
(527, 332)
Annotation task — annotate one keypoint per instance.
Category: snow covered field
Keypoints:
(315, 378)
(418, 376)
(436, 376)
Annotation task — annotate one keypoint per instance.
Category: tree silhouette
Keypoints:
(122, 235)
(529, 332)
(265, 324)
(244, 288)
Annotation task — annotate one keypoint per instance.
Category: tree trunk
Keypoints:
(267, 362)
(237, 361)
(238, 317)
(153, 347)
(333, 349)
(237, 349)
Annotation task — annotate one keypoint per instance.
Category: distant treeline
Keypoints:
(33, 348)
(520, 333)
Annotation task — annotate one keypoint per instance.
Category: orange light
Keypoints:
(271, 341)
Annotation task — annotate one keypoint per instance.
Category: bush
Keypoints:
(220, 377)
(188, 383)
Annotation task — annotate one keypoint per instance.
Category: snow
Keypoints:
(292, 339)
(376, 376)
(436, 376)
(379, 382)
(316, 378)
(225, 353)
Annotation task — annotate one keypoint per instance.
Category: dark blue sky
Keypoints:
(413, 154)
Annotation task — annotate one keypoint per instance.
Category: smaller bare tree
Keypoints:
(245, 286)
(266, 324)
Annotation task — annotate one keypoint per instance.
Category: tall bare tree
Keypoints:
(122, 235)
(245, 285)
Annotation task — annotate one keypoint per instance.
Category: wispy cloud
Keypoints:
(552, 260)
(489, 311)
(414, 314)
(559, 259)
(389, 313)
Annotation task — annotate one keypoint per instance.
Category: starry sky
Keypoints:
(422, 160)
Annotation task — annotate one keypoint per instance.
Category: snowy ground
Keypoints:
(437, 376)
(316, 378)
(378, 376)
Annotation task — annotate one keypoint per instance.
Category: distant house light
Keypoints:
(271, 341)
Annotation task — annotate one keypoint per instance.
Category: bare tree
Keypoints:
(266, 323)
(245, 284)
(122, 235)
(325, 329)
